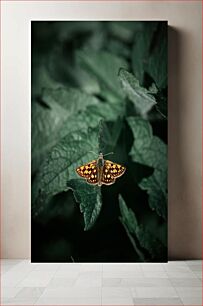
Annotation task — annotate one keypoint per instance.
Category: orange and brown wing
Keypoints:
(111, 171)
(116, 170)
(107, 177)
(89, 172)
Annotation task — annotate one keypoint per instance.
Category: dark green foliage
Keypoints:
(140, 235)
(142, 98)
(150, 150)
(102, 87)
(90, 200)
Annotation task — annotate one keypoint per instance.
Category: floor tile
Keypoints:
(176, 263)
(4, 301)
(21, 301)
(177, 268)
(146, 282)
(89, 280)
(185, 282)
(196, 268)
(153, 292)
(67, 274)
(72, 292)
(91, 267)
(198, 274)
(30, 292)
(45, 267)
(69, 301)
(61, 282)
(5, 268)
(22, 266)
(189, 291)
(156, 274)
(192, 301)
(112, 282)
(9, 292)
(37, 279)
(122, 274)
(90, 274)
(88, 283)
(172, 283)
(11, 261)
(117, 301)
(153, 268)
(13, 279)
(115, 292)
(157, 301)
(178, 274)
(136, 268)
(70, 267)
(193, 262)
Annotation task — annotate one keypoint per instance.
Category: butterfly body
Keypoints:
(100, 171)
(100, 167)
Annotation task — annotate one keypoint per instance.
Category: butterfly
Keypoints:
(100, 171)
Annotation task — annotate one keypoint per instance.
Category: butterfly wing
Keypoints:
(111, 171)
(89, 172)
(107, 178)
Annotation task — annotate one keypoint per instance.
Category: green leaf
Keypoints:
(130, 224)
(138, 233)
(140, 51)
(157, 63)
(58, 117)
(141, 97)
(149, 150)
(69, 30)
(58, 174)
(89, 198)
(153, 89)
(105, 67)
(86, 81)
(123, 30)
(41, 79)
(157, 66)
(67, 110)
(65, 157)
(118, 48)
(108, 137)
(155, 185)
(70, 99)
(91, 117)
(46, 122)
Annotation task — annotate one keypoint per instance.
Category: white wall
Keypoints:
(184, 112)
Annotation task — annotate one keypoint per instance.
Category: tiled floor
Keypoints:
(174, 283)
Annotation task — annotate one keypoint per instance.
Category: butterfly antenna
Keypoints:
(109, 153)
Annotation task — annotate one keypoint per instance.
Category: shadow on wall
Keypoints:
(184, 229)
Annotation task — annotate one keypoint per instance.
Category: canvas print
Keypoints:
(99, 141)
